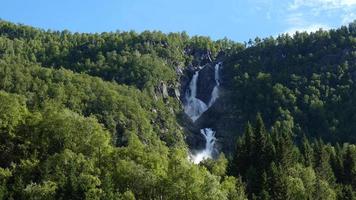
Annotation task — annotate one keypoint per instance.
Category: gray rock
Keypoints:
(176, 93)
(164, 90)
(206, 83)
(179, 70)
(201, 57)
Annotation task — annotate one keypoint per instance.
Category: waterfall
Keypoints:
(195, 107)
(206, 153)
(215, 92)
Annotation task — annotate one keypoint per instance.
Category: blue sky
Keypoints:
(238, 20)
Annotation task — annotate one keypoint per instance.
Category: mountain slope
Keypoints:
(83, 120)
(100, 116)
(308, 79)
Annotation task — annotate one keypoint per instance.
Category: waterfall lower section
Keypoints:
(195, 107)
(206, 153)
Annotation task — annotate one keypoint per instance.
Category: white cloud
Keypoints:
(350, 2)
(296, 19)
(348, 17)
(322, 4)
(308, 28)
(310, 15)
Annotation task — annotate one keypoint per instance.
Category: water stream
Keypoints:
(195, 107)
(206, 153)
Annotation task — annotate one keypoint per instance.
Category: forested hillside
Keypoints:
(81, 118)
(303, 87)
(308, 78)
(99, 116)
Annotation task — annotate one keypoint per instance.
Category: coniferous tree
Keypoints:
(307, 152)
(349, 165)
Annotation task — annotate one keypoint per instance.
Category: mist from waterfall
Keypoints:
(195, 107)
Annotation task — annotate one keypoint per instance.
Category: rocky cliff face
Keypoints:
(218, 116)
(206, 82)
(200, 90)
(204, 63)
(201, 61)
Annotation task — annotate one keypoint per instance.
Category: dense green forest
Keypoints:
(85, 116)
(309, 77)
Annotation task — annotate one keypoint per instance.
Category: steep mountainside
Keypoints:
(308, 79)
(125, 115)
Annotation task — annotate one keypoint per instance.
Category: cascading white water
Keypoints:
(195, 107)
(206, 153)
(215, 92)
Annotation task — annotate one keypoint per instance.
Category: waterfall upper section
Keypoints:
(199, 99)
(215, 92)
(194, 107)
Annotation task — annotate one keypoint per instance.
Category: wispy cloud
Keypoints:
(263, 6)
(322, 4)
(296, 19)
(308, 28)
(310, 15)
(299, 21)
(348, 17)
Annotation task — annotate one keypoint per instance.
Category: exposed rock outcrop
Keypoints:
(206, 83)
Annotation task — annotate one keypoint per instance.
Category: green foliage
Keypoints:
(309, 76)
(311, 170)
(81, 118)
(42, 191)
(4, 176)
(141, 60)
